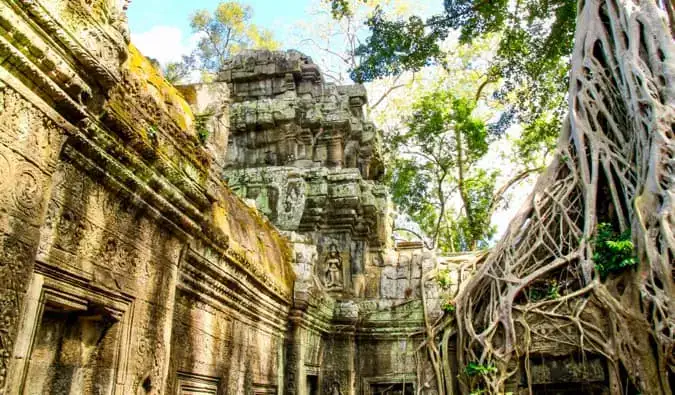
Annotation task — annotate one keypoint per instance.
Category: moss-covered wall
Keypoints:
(127, 266)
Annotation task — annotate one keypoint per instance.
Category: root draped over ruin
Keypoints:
(615, 164)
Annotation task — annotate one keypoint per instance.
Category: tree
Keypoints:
(336, 41)
(612, 175)
(441, 143)
(436, 163)
(488, 181)
(533, 55)
(222, 33)
(175, 72)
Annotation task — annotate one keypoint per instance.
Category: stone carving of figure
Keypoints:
(333, 268)
(292, 196)
(335, 389)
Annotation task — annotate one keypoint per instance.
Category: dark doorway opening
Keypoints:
(570, 389)
(312, 385)
(392, 389)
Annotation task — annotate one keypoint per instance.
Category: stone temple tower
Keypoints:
(304, 152)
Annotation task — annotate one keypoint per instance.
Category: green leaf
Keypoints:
(613, 252)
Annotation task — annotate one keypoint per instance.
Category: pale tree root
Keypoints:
(616, 165)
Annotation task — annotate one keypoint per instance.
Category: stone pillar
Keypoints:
(29, 145)
(295, 371)
(335, 152)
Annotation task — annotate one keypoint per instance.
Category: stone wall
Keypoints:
(127, 266)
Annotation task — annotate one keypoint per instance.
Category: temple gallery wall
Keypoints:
(139, 258)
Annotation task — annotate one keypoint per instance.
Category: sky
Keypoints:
(161, 30)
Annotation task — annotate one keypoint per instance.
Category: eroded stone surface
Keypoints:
(303, 153)
(128, 267)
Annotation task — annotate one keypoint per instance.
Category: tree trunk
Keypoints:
(615, 164)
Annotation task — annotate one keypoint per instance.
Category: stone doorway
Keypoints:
(71, 352)
(392, 389)
(312, 384)
(72, 340)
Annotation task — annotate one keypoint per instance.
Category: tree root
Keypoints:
(615, 164)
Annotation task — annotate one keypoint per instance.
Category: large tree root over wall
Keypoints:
(615, 165)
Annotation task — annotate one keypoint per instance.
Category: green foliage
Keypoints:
(479, 194)
(548, 290)
(200, 127)
(341, 8)
(478, 369)
(176, 72)
(448, 306)
(535, 294)
(409, 182)
(223, 33)
(399, 45)
(436, 156)
(152, 131)
(553, 290)
(537, 137)
(443, 278)
(532, 57)
(613, 252)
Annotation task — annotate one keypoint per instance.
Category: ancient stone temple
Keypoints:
(302, 151)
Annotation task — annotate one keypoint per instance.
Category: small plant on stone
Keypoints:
(535, 294)
(479, 369)
(549, 290)
(202, 130)
(443, 278)
(448, 305)
(614, 252)
(152, 132)
(202, 134)
(553, 291)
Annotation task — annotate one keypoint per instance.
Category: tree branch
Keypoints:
(419, 236)
(482, 86)
(499, 195)
(391, 89)
(325, 49)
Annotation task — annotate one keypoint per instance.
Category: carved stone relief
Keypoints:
(333, 269)
(73, 338)
(28, 145)
(15, 267)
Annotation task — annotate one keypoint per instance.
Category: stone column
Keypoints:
(335, 152)
(29, 145)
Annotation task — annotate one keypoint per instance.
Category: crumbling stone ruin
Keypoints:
(224, 238)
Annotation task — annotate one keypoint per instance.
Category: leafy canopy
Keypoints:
(222, 34)
(435, 158)
(533, 54)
